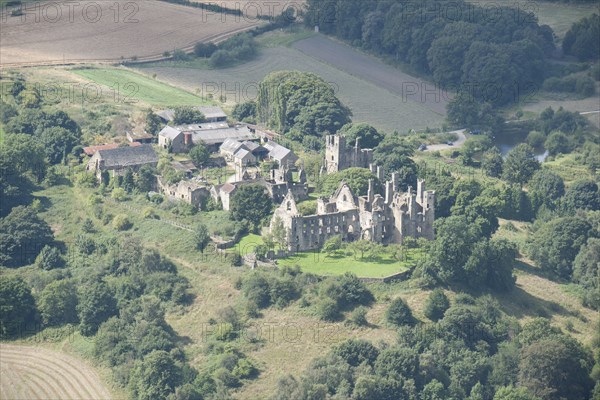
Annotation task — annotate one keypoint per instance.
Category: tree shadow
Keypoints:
(520, 304)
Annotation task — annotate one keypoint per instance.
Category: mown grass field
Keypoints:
(321, 264)
(131, 87)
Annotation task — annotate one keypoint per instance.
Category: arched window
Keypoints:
(289, 206)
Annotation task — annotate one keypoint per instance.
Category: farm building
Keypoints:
(230, 147)
(284, 156)
(181, 138)
(191, 192)
(139, 137)
(211, 114)
(121, 159)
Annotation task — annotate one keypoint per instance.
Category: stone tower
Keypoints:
(335, 153)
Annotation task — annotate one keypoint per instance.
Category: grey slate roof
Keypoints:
(241, 154)
(276, 151)
(230, 145)
(212, 112)
(169, 132)
(128, 156)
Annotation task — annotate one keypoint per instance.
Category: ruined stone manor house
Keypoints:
(372, 217)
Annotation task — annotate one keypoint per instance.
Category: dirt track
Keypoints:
(34, 373)
(349, 60)
(104, 31)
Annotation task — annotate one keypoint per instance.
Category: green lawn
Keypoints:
(321, 264)
(131, 87)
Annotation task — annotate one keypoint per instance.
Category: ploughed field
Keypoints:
(35, 373)
(108, 31)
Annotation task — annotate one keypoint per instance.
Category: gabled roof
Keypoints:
(230, 145)
(169, 132)
(277, 151)
(254, 147)
(242, 154)
(128, 156)
(212, 112)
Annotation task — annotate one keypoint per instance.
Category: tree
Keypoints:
(187, 115)
(144, 179)
(250, 203)
(394, 154)
(244, 111)
(49, 258)
(492, 162)
(155, 377)
(356, 178)
(520, 164)
(153, 122)
(582, 39)
(582, 194)
(58, 142)
(436, 305)
(201, 237)
(357, 351)
(279, 233)
(557, 143)
(556, 244)
(96, 305)
(545, 188)
(332, 245)
(17, 305)
(398, 363)
(586, 270)
(22, 236)
(300, 104)
(398, 313)
(491, 263)
(204, 50)
(199, 154)
(58, 303)
(368, 137)
(451, 249)
(556, 368)
(512, 393)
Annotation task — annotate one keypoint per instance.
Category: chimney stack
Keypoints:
(370, 194)
(388, 192)
(380, 173)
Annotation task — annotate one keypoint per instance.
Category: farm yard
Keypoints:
(35, 373)
(385, 109)
(53, 33)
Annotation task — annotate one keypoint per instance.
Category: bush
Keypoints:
(119, 194)
(204, 50)
(399, 313)
(121, 222)
(436, 305)
(359, 316)
(328, 310)
(49, 258)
